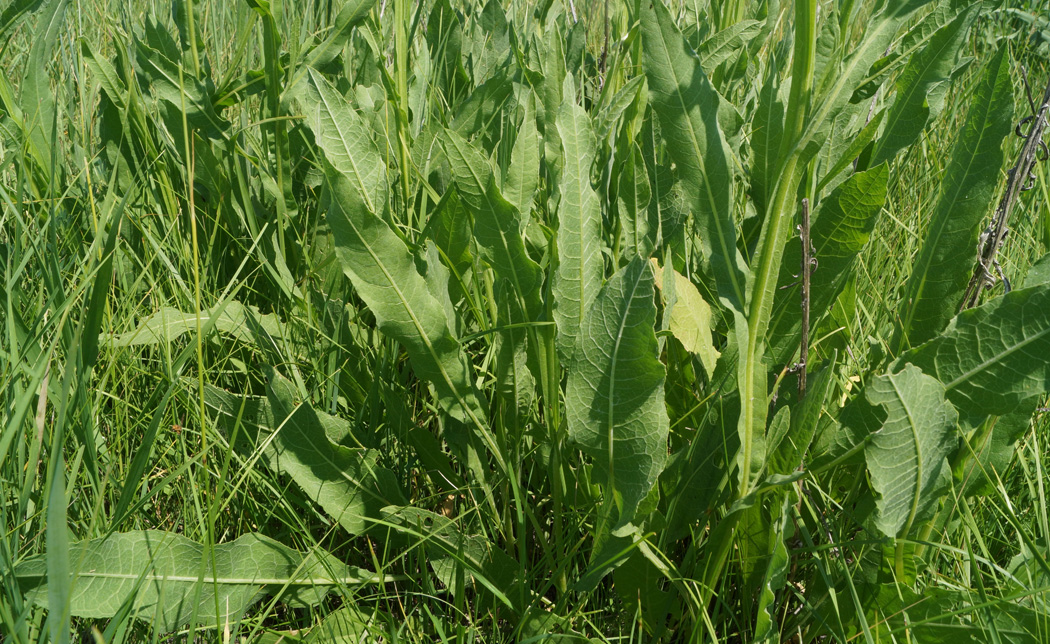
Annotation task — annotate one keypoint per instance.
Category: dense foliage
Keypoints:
(509, 321)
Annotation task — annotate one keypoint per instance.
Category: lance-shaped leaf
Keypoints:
(921, 88)
(167, 578)
(946, 261)
(580, 264)
(497, 228)
(614, 397)
(378, 262)
(168, 324)
(632, 200)
(523, 175)
(687, 105)
(347, 144)
(993, 357)
(384, 275)
(767, 130)
(726, 43)
(774, 579)
(906, 456)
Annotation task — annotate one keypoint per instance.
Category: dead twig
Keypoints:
(1018, 179)
(807, 262)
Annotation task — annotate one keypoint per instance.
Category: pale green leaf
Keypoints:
(168, 577)
(580, 263)
(690, 321)
(244, 323)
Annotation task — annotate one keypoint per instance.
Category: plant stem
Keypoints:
(753, 393)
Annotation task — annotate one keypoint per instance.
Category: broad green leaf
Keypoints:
(497, 227)
(167, 577)
(944, 616)
(378, 262)
(482, 107)
(552, 64)
(990, 450)
(580, 263)
(840, 229)
(632, 201)
(608, 115)
(342, 26)
(347, 625)
(921, 88)
(614, 398)
(244, 323)
(687, 106)
(347, 145)
(1039, 272)
(852, 152)
(948, 254)
(906, 456)
(347, 483)
(726, 43)
(993, 357)
(690, 318)
(523, 175)
(451, 549)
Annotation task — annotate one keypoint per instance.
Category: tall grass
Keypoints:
(456, 321)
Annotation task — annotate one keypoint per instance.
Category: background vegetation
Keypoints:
(460, 321)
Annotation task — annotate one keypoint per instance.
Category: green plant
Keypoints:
(471, 324)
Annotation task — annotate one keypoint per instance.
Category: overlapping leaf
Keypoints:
(378, 262)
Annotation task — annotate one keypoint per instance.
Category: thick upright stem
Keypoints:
(775, 231)
(774, 236)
